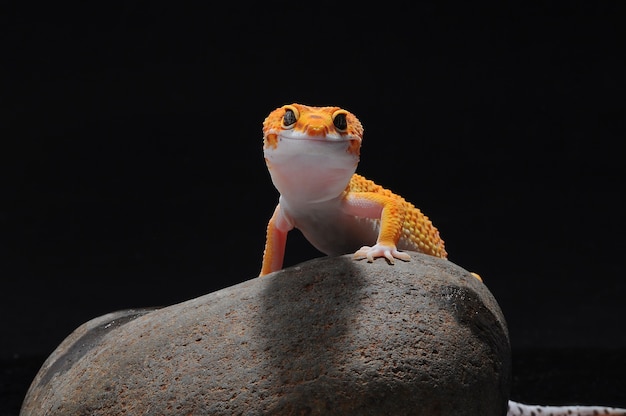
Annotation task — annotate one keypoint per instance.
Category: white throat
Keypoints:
(310, 170)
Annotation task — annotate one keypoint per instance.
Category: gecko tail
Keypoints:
(520, 409)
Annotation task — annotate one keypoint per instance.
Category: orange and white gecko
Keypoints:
(312, 154)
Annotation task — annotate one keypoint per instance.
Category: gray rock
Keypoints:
(330, 336)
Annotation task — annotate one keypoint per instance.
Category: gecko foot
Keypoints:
(380, 250)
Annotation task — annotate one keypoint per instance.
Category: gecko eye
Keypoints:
(339, 120)
(290, 117)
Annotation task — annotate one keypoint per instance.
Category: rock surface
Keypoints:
(330, 336)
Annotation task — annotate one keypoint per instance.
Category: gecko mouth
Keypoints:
(330, 138)
(327, 145)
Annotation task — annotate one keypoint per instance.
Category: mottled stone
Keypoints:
(330, 336)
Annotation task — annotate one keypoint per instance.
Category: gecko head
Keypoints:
(323, 124)
(311, 152)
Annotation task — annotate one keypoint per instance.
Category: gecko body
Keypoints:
(312, 154)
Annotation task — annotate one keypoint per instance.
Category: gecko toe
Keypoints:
(390, 253)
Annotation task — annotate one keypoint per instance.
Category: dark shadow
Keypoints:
(306, 311)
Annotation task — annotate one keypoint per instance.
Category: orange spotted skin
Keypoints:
(316, 121)
(417, 231)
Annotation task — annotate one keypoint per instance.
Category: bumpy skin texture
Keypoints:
(417, 232)
(312, 154)
(273, 123)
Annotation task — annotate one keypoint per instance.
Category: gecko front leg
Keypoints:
(390, 213)
(275, 242)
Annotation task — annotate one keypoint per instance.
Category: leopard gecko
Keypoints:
(312, 154)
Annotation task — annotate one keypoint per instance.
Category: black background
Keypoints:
(132, 169)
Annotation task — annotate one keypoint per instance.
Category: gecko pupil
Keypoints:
(289, 118)
(340, 121)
